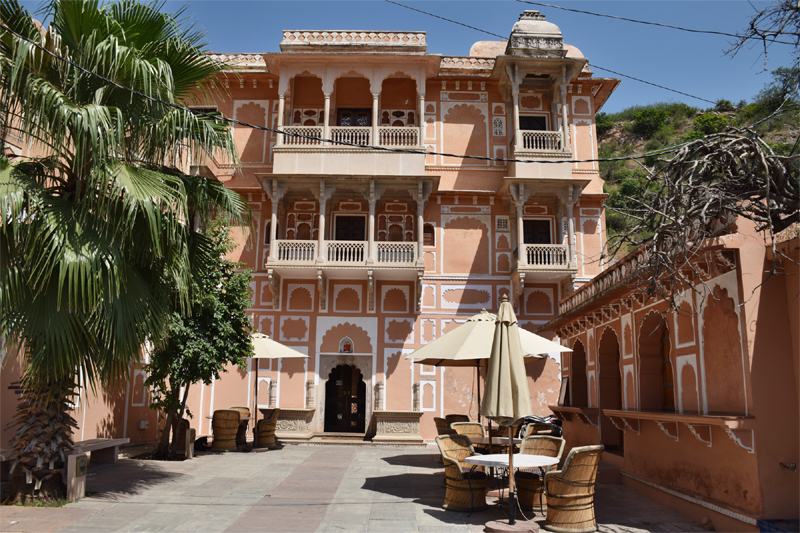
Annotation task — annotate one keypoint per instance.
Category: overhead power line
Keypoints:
(593, 65)
(229, 120)
(691, 30)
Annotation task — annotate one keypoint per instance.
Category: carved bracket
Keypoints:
(743, 438)
(274, 282)
(701, 432)
(670, 429)
(322, 287)
(587, 419)
(619, 423)
(518, 288)
(632, 424)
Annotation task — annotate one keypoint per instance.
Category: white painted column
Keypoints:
(517, 134)
(281, 107)
(273, 233)
(322, 251)
(420, 223)
(371, 224)
(374, 140)
(522, 256)
(573, 260)
(421, 119)
(564, 124)
(326, 120)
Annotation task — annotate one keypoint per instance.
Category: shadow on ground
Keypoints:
(414, 460)
(128, 477)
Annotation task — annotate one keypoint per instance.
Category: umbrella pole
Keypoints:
(512, 489)
(256, 364)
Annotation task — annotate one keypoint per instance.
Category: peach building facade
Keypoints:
(366, 251)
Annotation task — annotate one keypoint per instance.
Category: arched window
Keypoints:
(266, 231)
(428, 235)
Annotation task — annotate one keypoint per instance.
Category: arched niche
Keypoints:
(609, 387)
(579, 393)
(656, 378)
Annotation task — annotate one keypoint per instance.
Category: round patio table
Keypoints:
(500, 441)
(521, 460)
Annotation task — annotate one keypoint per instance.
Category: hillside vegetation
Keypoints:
(643, 129)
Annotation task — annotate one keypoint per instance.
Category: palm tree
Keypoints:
(98, 225)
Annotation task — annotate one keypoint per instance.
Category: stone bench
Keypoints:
(103, 450)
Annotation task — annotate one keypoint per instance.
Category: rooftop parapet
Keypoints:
(354, 41)
(242, 61)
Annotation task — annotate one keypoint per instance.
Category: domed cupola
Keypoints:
(533, 36)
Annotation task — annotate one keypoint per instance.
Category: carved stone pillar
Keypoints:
(281, 107)
(375, 140)
(420, 223)
(275, 194)
(379, 400)
(326, 120)
(310, 394)
(273, 395)
(522, 256)
(517, 134)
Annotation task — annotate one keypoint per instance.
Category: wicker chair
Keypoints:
(570, 492)
(530, 486)
(442, 427)
(456, 418)
(265, 431)
(466, 485)
(537, 429)
(471, 430)
(241, 433)
(224, 424)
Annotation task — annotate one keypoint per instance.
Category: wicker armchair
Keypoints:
(265, 431)
(241, 433)
(442, 427)
(530, 485)
(224, 425)
(537, 429)
(471, 430)
(456, 418)
(466, 485)
(570, 492)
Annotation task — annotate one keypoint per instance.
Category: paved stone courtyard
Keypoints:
(298, 488)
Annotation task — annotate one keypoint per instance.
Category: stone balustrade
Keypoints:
(546, 256)
(395, 136)
(541, 141)
(396, 252)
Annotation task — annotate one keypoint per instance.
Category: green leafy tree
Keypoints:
(709, 123)
(198, 346)
(95, 238)
(648, 121)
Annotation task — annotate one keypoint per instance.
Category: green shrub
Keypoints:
(709, 123)
(648, 121)
(603, 124)
(692, 136)
(724, 105)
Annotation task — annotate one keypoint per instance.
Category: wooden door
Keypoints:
(345, 401)
(354, 117)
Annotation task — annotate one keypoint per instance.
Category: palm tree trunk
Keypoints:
(42, 442)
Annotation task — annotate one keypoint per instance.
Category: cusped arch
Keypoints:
(362, 343)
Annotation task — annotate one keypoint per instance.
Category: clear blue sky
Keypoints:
(692, 63)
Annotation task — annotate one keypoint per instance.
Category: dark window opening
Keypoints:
(428, 236)
(536, 232)
(533, 123)
(354, 117)
(350, 228)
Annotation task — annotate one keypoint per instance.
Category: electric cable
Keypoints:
(691, 30)
(222, 118)
(593, 65)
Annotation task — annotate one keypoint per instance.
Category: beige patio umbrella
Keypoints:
(508, 398)
(470, 344)
(266, 348)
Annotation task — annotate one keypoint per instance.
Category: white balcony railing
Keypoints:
(396, 252)
(398, 136)
(308, 131)
(351, 134)
(544, 141)
(546, 255)
(347, 251)
(296, 251)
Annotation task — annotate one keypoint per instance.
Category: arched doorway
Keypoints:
(345, 400)
(609, 389)
(656, 379)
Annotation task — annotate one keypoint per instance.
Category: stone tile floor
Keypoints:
(298, 488)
